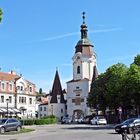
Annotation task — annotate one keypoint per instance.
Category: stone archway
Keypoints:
(78, 113)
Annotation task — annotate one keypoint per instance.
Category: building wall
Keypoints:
(5, 96)
(56, 109)
(26, 98)
(43, 111)
(77, 91)
(20, 92)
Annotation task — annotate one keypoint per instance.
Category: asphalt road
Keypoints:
(66, 132)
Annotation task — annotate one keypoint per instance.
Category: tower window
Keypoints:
(78, 69)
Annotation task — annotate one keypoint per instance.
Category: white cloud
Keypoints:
(76, 33)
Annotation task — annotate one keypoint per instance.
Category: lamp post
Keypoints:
(52, 109)
(7, 101)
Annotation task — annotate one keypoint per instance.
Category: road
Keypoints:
(66, 132)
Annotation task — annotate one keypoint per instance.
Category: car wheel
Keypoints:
(18, 129)
(2, 130)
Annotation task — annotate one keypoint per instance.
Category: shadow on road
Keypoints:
(89, 127)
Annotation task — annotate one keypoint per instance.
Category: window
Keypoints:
(21, 88)
(2, 86)
(10, 99)
(61, 110)
(40, 108)
(24, 99)
(30, 89)
(10, 86)
(20, 100)
(18, 87)
(44, 108)
(30, 100)
(78, 69)
(2, 99)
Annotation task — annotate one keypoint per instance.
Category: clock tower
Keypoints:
(84, 63)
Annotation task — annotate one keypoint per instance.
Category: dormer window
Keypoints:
(78, 69)
(21, 88)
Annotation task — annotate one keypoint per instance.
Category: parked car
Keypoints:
(66, 120)
(98, 120)
(10, 124)
(87, 119)
(127, 125)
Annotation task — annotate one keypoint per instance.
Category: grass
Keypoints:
(23, 130)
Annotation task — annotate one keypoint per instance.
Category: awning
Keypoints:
(1, 111)
(4, 110)
(10, 110)
(16, 110)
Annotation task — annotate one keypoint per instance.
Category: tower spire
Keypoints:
(83, 27)
(83, 17)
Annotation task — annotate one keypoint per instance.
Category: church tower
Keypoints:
(57, 102)
(84, 63)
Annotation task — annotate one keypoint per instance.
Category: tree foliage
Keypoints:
(0, 14)
(118, 86)
(40, 91)
(137, 60)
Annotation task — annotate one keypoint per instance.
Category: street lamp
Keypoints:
(7, 101)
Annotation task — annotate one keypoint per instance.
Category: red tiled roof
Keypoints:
(7, 76)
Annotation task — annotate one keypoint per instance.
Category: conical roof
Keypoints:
(57, 90)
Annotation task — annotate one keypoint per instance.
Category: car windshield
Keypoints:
(128, 121)
(2, 121)
(101, 117)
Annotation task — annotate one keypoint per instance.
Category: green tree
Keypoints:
(1, 14)
(107, 88)
(132, 86)
(40, 91)
(137, 60)
(117, 76)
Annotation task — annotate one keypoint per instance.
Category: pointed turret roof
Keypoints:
(84, 45)
(95, 74)
(57, 90)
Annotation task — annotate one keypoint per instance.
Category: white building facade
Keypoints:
(17, 96)
(84, 61)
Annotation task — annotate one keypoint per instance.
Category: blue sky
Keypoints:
(38, 36)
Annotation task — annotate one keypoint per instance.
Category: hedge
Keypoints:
(45, 120)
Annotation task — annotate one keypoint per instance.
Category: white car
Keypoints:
(98, 120)
(66, 120)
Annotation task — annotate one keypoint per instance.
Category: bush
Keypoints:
(45, 120)
(28, 122)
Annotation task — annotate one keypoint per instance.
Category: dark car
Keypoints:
(9, 124)
(87, 119)
(127, 125)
